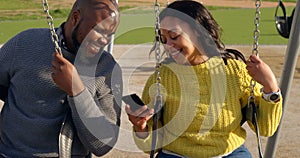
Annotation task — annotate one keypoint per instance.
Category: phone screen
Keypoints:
(133, 100)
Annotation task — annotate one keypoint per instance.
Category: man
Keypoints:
(58, 103)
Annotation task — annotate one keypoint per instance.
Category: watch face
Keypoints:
(274, 97)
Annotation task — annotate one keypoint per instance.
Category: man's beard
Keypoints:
(76, 44)
(80, 51)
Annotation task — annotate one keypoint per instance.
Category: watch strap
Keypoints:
(272, 97)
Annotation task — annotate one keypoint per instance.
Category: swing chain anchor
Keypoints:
(50, 22)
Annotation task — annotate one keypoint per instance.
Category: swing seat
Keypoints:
(283, 23)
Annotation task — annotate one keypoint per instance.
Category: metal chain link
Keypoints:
(256, 35)
(157, 47)
(50, 22)
(251, 99)
(158, 98)
(66, 134)
(158, 56)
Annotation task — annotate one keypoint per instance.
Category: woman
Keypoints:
(204, 90)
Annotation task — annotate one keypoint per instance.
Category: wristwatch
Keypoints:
(272, 97)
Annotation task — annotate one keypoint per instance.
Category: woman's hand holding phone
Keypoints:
(138, 114)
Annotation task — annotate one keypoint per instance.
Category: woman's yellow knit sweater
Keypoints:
(202, 108)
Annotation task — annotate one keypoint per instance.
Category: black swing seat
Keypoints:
(284, 22)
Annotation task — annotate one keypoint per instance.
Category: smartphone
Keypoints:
(133, 100)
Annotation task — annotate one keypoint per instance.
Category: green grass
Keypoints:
(18, 4)
(32, 15)
(28, 10)
(237, 24)
(136, 26)
(11, 28)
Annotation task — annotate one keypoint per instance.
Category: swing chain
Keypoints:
(50, 22)
(251, 99)
(158, 57)
(158, 98)
(157, 51)
(256, 35)
(157, 34)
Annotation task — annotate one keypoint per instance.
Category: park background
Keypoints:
(135, 35)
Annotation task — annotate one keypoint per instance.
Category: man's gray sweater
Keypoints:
(35, 107)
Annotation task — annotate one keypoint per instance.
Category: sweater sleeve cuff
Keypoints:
(143, 143)
(84, 104)
(269, 116)
(93, 118)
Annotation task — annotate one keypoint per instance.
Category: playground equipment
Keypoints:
(284, 22)
(292, 53)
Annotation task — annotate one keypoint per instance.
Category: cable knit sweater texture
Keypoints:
(33, 112)
(202, 108)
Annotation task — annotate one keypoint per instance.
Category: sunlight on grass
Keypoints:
(137, 23)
